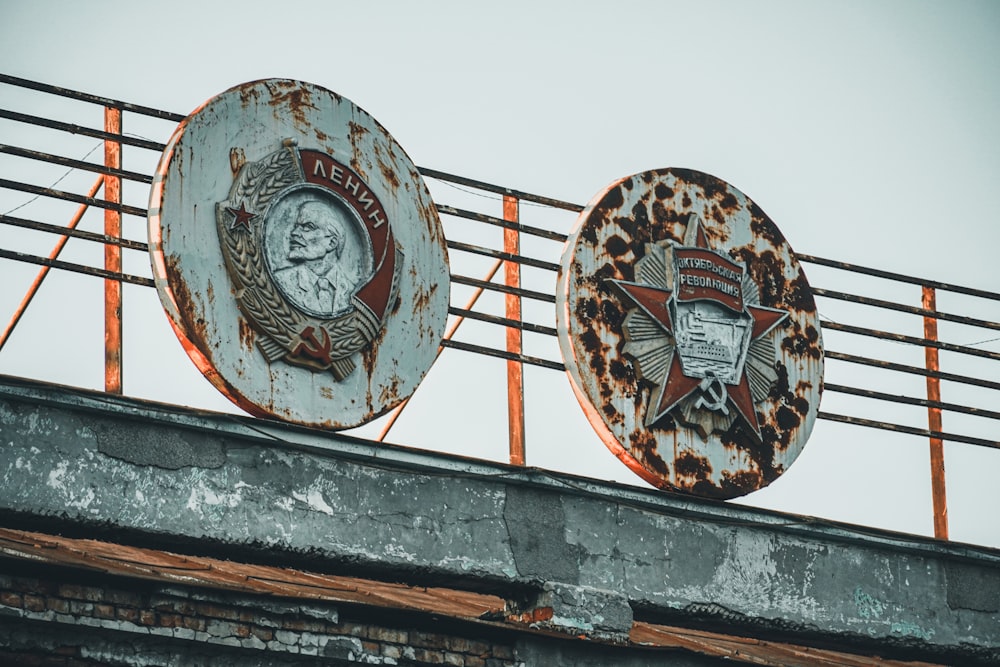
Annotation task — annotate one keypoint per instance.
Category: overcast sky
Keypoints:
(867, 130)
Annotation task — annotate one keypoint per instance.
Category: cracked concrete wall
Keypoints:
(89, 460)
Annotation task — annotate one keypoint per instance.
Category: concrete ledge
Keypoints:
(591, 551)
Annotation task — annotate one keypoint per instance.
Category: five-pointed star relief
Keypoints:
(675, 386)
(241, 217)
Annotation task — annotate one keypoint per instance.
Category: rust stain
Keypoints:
(287, 96)
(741, 482)
(358, 134)
(246, 334)
(537, 615)
(763, 227)
(802, 342)
(237, 158)
(616, 246)
(249, 94)
(691, 467)
(389, 175)
(390, 394)
(643, 446)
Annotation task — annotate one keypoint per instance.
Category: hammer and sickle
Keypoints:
(713, 396)
(314, 348)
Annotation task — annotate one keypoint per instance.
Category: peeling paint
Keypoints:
(313, 498)
(599, 550)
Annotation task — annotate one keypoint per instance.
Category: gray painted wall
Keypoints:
(597, 553)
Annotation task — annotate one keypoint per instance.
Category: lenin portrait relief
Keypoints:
(315, 253)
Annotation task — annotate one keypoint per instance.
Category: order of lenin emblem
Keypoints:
(298, 254)
(690, 334)
(315, 275)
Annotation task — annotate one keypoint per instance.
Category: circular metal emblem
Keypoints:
(690, 334)
(298, 254)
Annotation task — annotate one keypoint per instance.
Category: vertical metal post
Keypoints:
(112, 257)
(515, 370)
(938, 493)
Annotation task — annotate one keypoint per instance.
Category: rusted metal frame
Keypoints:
(899, 277)
(499, 222)
(499, 189)
(112, 255)
(69, 196)
(938, 486)
(40, 277)
(506, 256)
(74, 164)
(909, 400)
(447, 336)
(903, 308)
(503, 321)
(76, 268)
(529, 294)
(79, 129)
(914, 370)
(910, 430)
(49, 228)
(515, 333)
(87, 97)
(500, 354)
(909, 340)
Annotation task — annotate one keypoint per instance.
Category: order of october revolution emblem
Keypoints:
(690, 334)
(298, 254)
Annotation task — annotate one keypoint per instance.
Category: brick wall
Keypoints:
(255, 625)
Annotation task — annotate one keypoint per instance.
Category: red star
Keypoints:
(241, 217)
(675, 386)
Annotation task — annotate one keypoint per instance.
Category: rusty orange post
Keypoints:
(515, 370)
(938, 493)
(112, 257)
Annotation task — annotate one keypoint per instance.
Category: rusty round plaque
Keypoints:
(690, 333)
(298, 254)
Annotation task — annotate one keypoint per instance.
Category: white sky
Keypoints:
(867, 130)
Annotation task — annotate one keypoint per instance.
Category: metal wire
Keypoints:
(75, 164)
(500, 222)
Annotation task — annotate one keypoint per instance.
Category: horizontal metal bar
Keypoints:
(69, 196)
(907, 400)
(899, 277)
(503, 321)
(903, 308)
(500, 222)
(499, 254)
(499, 189)
(75, 164)
(75, 268)
(75, 233)
(496, 287)
(914, 370)
(910, 430)
(87, 97)
(501, 354)
(909, 340)
(81, 130)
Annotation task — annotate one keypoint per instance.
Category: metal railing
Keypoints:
(877, 377)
